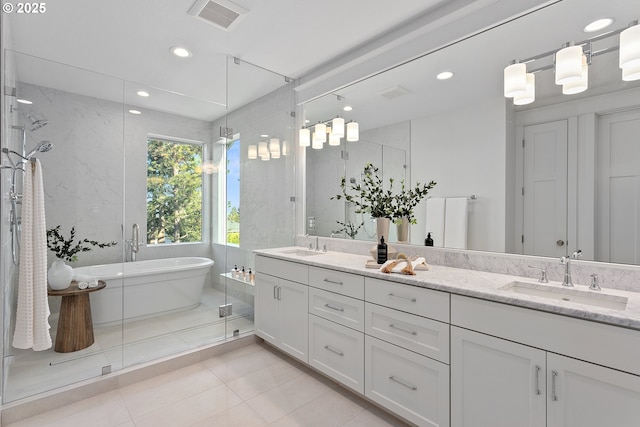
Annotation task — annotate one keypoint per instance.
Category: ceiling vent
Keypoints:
(394, 92)
(221, 13)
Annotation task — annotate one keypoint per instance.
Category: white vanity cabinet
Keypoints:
(281, 305)
(336, 323)
(528, 386)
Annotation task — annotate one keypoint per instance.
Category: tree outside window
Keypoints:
(233, 192)
(174, 192)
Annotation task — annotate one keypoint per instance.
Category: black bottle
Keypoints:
(382, 251)
(428, 241)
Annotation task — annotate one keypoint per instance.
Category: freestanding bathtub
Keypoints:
(143, 289)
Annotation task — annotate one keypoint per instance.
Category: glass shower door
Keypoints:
(73, 124)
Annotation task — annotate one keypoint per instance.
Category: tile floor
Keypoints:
(28, 373)
(252, 386)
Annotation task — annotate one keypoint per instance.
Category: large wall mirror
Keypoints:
(573, 183)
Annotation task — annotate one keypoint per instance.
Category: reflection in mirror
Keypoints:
(386, 148)
(537, 197)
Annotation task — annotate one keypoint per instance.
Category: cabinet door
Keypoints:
(581, 394)
(294, 314)
(267, 322)
(495, 383)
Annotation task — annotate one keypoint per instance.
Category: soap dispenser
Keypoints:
(382, 251)
(428, 241)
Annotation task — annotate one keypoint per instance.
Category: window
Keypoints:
(233, 192)
(174, 191)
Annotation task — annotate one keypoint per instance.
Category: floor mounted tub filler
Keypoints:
(144, 289)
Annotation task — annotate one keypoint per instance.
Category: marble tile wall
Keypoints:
(95, 175)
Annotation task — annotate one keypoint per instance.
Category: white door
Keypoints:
(618, 188)
(267, 317)
(495, 383)
(294, 318)
(581, 394)
(545, 189)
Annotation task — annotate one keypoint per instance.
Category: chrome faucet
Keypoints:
(317, 244)
(134, 243)
(566, 261)
(543, 274)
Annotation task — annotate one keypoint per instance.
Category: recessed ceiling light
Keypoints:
(24, 101)
(135, 112)
(598, 25)
(181, 52)
(264, 135)
(347, 108)
(445, 75)
(142, 93)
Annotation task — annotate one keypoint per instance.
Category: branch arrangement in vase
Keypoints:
(65, 249)
(370, 196)
(408, 199)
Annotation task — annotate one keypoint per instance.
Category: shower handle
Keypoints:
(135, 238)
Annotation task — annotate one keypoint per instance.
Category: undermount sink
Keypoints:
(560, 293)
(301, 252)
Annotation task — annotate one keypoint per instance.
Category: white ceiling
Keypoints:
(130, 40)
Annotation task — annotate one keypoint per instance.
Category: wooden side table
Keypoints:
(75, 325)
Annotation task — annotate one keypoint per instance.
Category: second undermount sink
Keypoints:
(559, 293)
(301, 252)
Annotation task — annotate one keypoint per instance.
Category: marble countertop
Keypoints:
(478, 284)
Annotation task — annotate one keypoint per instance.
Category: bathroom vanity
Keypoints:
(456, 347)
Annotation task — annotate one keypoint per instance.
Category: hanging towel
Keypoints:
(32, 314)
(435, 220)
(455, 222)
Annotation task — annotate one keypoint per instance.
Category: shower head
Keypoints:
(42, 147)
(36, 122)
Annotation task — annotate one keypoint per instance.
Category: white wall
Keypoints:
(465, 153)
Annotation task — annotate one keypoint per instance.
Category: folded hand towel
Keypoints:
(398, 265)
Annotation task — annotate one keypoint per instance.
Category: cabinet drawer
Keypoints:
(413, 386)
(337, 351)
(338, 308)
(412, 299)
(283, 269)
(425, 336)
(347, 284)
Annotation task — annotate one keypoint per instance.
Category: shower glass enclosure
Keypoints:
(97, 180)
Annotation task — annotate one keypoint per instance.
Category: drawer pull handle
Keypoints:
(538, 369)
(333, 282)
(334, 308)
(404, 383)
(391, 325)
(554, 396)
(401, 297)
(333, 350)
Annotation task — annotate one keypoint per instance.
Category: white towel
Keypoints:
(455, 223)
(32, 314)
(435, 220)
(403, 263)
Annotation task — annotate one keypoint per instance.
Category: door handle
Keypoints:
(554, 375)
(560, 242)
